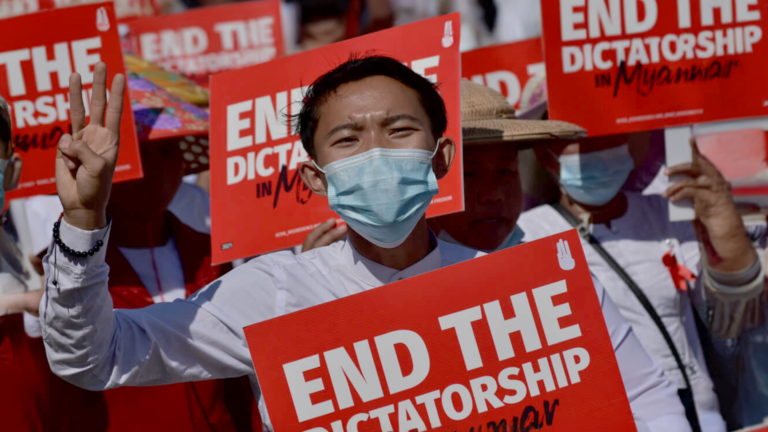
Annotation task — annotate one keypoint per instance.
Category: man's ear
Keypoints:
(446, 151)
(312, 177)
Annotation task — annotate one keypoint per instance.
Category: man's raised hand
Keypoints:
(85, 160)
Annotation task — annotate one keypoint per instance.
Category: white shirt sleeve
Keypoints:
(652, 397)
(95, 347)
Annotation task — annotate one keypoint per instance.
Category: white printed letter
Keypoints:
(365, 380)
(549, 313)
(462, 322)
(385, 344)
(301, 390)
(523, 322)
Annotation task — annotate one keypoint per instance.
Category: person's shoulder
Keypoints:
(655, 205)
(313, 261)
(540, 222)
(454, 254)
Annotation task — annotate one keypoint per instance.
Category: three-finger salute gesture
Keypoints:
(85, 160)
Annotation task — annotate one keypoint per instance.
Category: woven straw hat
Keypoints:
(487, 117)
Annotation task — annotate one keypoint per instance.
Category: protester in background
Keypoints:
(31, 397)
(11, 268)
(155, 257)
(659, 257)
(493, 200)
(361, 118)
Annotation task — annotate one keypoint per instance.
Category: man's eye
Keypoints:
(346, 140)
(403, 130)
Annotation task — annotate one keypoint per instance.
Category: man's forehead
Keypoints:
(378, 92)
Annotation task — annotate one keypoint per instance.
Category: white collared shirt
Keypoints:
(95, 347)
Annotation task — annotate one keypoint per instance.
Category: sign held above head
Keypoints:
(208, 40)
(35, 77)
(617, 66)
(505, 68)
(259, 202)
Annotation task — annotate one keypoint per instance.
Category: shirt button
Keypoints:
(668, 241)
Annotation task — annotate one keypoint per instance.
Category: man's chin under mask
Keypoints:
(514, 238)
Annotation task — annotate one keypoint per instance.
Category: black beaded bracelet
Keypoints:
(68, 250)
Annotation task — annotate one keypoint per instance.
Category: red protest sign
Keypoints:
(12, 8)
(212, 39)
(505, 68)
(258, 202)
(34, 79)
(615, 67)
(124, 9)
(471, 344)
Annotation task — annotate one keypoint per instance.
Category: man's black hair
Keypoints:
(356, 69)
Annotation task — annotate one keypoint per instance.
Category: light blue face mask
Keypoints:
(595, 178)
(3, 166)
(382, 193)
(514, 238)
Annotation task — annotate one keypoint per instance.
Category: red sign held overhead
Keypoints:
(258, 202)
(616, 66)
(34, 79)
(504, 68)
(468, 345)
(124, 9)
(213, 39)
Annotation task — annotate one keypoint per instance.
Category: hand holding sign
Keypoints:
(719, 223)
(85, 162)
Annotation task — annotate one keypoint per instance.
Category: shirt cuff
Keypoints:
(742, 285)
(81, 241)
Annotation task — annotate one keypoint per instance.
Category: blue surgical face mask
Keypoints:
(3, 166)
(595, 178)
(382, 193)
(514, 238)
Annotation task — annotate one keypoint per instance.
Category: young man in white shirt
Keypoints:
(374, 131)
(372, 111)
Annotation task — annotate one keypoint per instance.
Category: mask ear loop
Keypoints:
(437, 146)
(318, 168)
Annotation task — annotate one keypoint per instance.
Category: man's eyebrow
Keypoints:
(341, 127)
(395, 118)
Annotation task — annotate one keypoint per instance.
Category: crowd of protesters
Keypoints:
(141, 332)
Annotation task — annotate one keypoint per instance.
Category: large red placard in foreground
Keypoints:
(477, 343)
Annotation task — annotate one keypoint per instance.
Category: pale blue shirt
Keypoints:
(93, 346)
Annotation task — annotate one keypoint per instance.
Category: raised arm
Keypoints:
(733, 274)
(87, 342)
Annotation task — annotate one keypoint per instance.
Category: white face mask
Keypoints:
(514, 238)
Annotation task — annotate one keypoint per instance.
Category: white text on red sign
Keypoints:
(582, 20)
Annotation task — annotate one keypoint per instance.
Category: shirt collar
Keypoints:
(375, 274)
(514, 238)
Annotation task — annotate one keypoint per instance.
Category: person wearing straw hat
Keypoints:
(492, 138)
